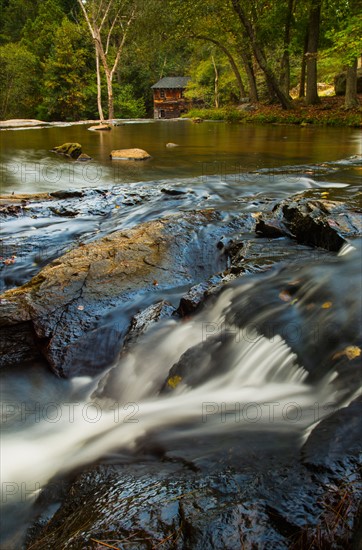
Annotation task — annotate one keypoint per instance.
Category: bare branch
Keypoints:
(120, 47)
(111, 30)
(105, 14)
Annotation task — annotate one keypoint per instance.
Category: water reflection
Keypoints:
(28, 166)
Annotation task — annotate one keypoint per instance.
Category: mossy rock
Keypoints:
(73, 150)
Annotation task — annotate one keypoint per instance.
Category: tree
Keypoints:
(38, 34)
(15, 15)
(312, 97)
(347, 43)
(65, 75)
(103, 20)
(250, 31)
(285, 63)
(19, 91)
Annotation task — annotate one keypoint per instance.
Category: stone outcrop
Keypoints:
(315, 222)
(129, 154)
(59, 309)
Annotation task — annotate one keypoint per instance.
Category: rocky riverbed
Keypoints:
(98, 291)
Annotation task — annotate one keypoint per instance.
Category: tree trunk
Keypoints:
(260, 57)
(351, 100)
(110, 96)
(303, 68)
(312, 97)
(216, 83)
(285, 64)
(99, 91)
(230, 58)
(249, 69)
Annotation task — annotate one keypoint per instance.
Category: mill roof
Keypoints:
(172, 82)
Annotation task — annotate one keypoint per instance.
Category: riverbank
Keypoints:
(330, 112)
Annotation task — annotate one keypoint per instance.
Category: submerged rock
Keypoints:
(73, 150)
(84, 157)
(100, 128)
(129, 154)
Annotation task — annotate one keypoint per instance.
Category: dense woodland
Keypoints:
(74, 59)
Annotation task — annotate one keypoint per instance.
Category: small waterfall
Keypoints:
(217, 374)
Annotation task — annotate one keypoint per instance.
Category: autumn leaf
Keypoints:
(326, 305)
(351, 352)
(174, 381)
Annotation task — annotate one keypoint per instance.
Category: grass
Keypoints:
(330, 112)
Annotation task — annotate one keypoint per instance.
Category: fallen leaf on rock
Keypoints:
(80, 308)
(351, 352)
(326, 305)
(174, 381)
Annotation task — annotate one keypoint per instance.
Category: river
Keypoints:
(248, 384)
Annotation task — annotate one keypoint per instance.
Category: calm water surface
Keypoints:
(27, 165)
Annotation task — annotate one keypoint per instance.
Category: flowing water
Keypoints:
(190, 387)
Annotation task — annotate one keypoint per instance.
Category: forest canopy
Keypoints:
(86, 59)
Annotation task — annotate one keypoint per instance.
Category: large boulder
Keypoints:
(61, 310)
(316, 222)
(129, 154)
(340, 83)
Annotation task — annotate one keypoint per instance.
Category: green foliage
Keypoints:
(14, 16)
(38, 35)
(19, 91)
(125, 103)
(347, 42)
(48, 62)
(65, 76)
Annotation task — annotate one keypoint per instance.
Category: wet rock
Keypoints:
(17, 347)
(100, 128)
(172, 145)
(271, 229)
(262, 499)
(68, 194)
(144, 320)
(337, 435)
(321, 223)
(191, 301)
(173, 192)
(129, 154)
(72, 150)
(63, 303)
